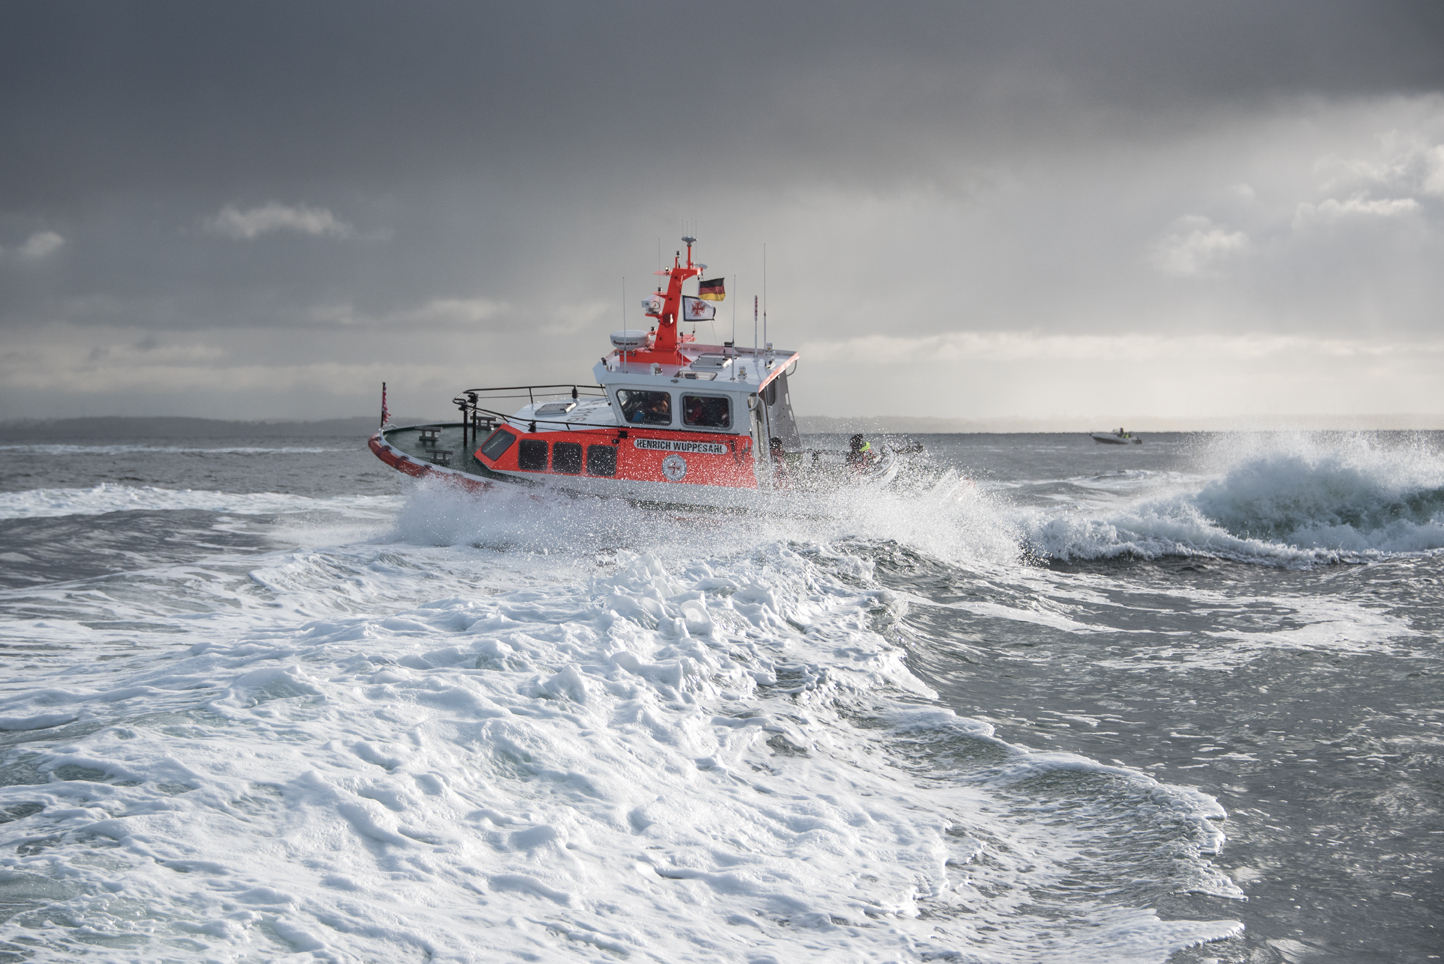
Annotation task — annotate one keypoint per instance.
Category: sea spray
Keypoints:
(940, 511)
(1277, 499)
(1347, 493)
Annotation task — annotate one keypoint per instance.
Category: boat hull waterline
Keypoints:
(398, 447)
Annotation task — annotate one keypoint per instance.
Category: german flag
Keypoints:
(711, 290)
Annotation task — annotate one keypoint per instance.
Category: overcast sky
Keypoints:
(969, 210)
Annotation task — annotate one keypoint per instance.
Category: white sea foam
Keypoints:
(556, 729)
(58, 449)
(943, 514)
(1284, 499)
(107, 497)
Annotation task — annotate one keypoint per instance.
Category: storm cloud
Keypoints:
(969, 210)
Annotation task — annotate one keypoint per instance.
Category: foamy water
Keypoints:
(452, 727)
(108, 497)
(131, 448)
(1292, 499)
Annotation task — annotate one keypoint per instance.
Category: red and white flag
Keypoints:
(695, 309)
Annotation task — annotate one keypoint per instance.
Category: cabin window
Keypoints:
(531, 455)
(645, 408)
(707, 411)
(602, 460)
(499, 442)
(567, 458)
(776, 415)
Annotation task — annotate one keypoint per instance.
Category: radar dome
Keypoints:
(629, 339)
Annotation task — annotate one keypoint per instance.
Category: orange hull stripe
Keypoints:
(732, 468)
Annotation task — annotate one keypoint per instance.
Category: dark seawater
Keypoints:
(1041, 699)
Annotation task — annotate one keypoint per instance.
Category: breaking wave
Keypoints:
(1291, 499)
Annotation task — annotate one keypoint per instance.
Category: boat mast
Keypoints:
(666, 340)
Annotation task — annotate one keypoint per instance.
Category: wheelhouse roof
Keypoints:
(746, 370)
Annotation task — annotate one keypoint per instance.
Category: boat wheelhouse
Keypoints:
(669, 419)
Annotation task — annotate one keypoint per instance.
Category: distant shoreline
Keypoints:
(178, 427)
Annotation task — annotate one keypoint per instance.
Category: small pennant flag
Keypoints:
(711, 290)
(695, 309)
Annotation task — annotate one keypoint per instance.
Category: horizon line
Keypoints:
(831, 424)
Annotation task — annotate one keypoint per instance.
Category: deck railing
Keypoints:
(478, 418)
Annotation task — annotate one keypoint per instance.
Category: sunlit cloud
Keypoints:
(1405, 163)
(1001, 346)
(1333, 209)
(232, 222)
(39, 246)
(1194, 246)
(1059, 379)
(1434, 171)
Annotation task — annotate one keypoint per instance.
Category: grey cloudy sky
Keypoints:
(970, 210)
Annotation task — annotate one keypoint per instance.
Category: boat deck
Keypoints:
(440, 444)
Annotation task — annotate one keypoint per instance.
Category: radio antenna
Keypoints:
(754, 329)
(734, 312)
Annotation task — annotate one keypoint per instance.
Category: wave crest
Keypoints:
(1286, 499)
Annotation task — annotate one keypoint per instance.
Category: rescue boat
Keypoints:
(669, 421)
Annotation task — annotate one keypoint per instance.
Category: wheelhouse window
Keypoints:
(531, 455)
(602, 460)
(567, 458)
(707, 411)
(640, 407)
(499, 442)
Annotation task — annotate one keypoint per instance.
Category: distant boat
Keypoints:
(1119, 437)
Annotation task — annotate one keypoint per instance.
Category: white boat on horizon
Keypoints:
(1119, 437)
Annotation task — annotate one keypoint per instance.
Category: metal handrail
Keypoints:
(591, 391)
(473, 415)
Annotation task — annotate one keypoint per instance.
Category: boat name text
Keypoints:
(676, 445)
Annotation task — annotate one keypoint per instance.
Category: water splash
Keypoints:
(936, 511)
(1289, 498)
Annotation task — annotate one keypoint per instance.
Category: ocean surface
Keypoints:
(1038, 700)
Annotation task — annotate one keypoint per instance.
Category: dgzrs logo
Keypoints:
(674, 467)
